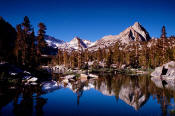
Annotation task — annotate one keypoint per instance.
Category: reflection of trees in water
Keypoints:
(139, 89)
(131, 92)
(40, 102)
(163, 97)
(77, 87)
(79, 91)
(6, 95)
(25, 107)
(141, 86)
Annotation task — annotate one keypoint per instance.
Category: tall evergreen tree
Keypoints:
(41, 42)
(26, 24)
(109, 58)
(163, 38)
(25, 40)
(18, 44)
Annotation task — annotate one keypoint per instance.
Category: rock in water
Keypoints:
(49, 86)
(33, 79)
(164, 76)
(83, 77)
(166, 71)
(93, 76)
(68, 77)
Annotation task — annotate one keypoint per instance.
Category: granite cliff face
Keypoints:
(125, 37)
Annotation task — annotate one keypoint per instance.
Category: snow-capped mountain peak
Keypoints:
(77, 43)
(74, 40)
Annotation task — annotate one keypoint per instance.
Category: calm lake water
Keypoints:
(109, 95)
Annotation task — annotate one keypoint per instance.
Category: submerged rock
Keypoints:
(49, 86)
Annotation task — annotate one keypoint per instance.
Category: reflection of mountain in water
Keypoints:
(132, 95)
(104, 89)
(130, 90)
(134, 91)
(126, 89)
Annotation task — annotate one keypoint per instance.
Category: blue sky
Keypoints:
(91, 19)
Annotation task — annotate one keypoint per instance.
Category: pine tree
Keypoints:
(116, 55)
(143, 58)
(18, 44)
(163, 38)
(136, 51)
(41, 42)
(33, 54)
(86, 55)
(99, 55)
(60, 57)
(65, 55)
(80, 50)
(73, 60)
(26, 41)
(79, 60)
(26, 24)
(109, 58)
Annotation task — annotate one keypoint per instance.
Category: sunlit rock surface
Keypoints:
(164, 76)
(168, 71)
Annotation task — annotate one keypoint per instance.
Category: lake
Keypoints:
(108, 95)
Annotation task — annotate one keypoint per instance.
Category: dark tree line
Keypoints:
(137, 54)
(7, 40)
(21, 45)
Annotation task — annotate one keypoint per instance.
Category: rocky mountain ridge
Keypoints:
(126, 37)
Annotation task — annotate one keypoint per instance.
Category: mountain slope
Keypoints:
(75, 44)
(124, 37)
(53, 42)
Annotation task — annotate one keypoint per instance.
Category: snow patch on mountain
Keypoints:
(125, 38)
(53, 42)
(75, 44)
